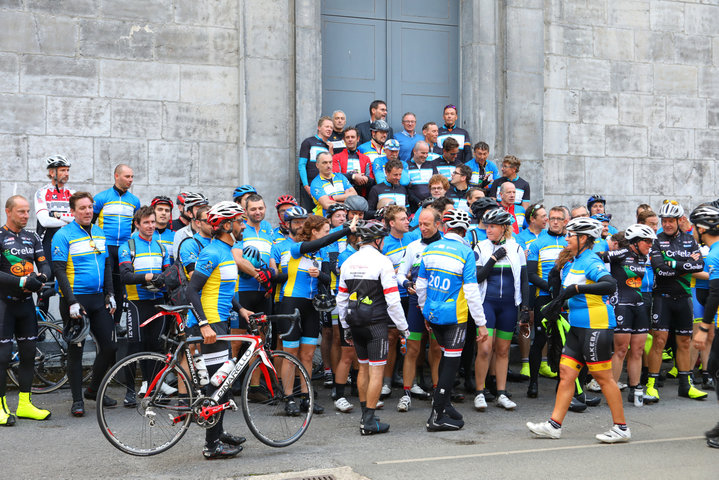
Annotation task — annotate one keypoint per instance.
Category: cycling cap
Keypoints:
(456, 219)
(391, 144)
(295, 213)
(372, 230)
(285, 200)
(379, 126)
(671, 209)
(706, 216)
(243, 190)
(498, 216)
(639, 231)
(585, 226)
(223, 211)
(57, 161)
(160, 200)
(356, 203)
(193, 199)
(336, 207)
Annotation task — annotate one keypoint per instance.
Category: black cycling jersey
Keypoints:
(19, 252)
(673, 265)
(628, 269)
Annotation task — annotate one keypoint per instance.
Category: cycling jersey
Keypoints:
(261, 239)
(505, 280)
(518, 212)
(372, 151)
(586, 310)
(442, 167)
(166, 237)
(337, 184)
(480, 174)
(148, 258)
(280, 253)
(712, 261)
(521, 185)
(190, 250)
(337, 140)
(447, 287)
(309, 149)
(419, 176)
(409, 265)
(218, 265)
(395, 249)
(462, 137)
(20, 251)
(628, 270)
(406, 144)
(526, 237)
(459, 197)
(697, 282)
(368, 291)
(475, 234)
(379, 174)
(545, 251)
(85, 254)
(342, 258)
(672, 263)
(397, 193)
(114, 210)
(52, 209)
(600, 245)
(299, 282)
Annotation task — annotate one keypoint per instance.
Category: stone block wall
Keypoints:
(151, 83)
(631, 102)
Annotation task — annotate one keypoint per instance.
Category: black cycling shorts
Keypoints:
(631, 319)
(371, 343)
(341, 332)
(308, 329)
(137, 312)
(588, 346)
(219, 352)
(255, 302)
(450, 338)
(673, 313)
(17, 319)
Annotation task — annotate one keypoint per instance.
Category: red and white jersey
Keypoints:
(52, 207)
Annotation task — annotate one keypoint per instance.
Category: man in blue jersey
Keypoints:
(113, 210)
(391, 152)
(420, 171)
(408, 137)
(162, 206)
(459, 182)
(510, 174)
(447, 291)
(328, 187)
(430, 130)
(377, 111)
(309, 149)
(390, 188)
(450, 158)
(190, 248)
(484, 171)
(451, 130)
(375, 146)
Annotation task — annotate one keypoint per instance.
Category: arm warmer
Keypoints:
(9, 280)
(533, 276)
(605, 286)
(712, 303)
(314, 245)
(107, 282)
(128, 275)
(524, 285)
(59, 267)
(302, 167)
(484, 271)
(197, 281)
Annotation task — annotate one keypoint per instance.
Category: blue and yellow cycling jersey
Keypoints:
(600, 245)
(395, 248)
(526, 237)
(337, 184)
(85, 254)
(280, 254)
(447, 266)
(545, 251)
(262, 239)
(587, 311)
(166, 237)
(345, 255)
(149, 258)
(379, 175)
(333, 250)
(299, 282)
(190, 249)
(489, 172)
(114, 212)
(368, 149)
(218, 265)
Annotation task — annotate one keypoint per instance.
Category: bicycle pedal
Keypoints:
(232, 405)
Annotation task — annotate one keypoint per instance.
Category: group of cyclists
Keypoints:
(408, 254)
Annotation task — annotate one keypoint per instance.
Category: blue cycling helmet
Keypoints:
(295, 213)
(243, 190)
(251, 254)
(391, 144)
(594, 199)
(602, 217)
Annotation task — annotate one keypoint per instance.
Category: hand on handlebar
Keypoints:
(208, 334)
(244, 313)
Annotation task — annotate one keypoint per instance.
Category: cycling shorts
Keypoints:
(254, 302)
(219, 352)
(17, 319)
(137, 312)
(415, 319)
(341, 332)
(632, 319)
(501, 315)
(405, 307)
(450, 338)
(588, 346)
(673, 313)
(307, 330)
(371, 343)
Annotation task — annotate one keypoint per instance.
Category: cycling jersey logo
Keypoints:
(41, 258)
(124, 252)
(56, 251)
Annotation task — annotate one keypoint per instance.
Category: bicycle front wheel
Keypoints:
(50, 372)
(142, 426)
(263, 405)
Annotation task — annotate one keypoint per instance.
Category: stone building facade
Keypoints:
(619, 97)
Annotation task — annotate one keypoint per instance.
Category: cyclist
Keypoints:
(390, 188)
(357, 207)
(162, 206)
(309, 149)
(478, 231)
(627, 265)
(356, 166)
(211, 292)
(451, 130)
(596, 204)
(283, 203)
(446, 290)
(239, 196)
(192, 202)
(674, 256)
(83, 270)
(190, 248)
(420, 171)
(504, 292)
(700, 290)
(183, 219)
(367, 296)
(484, 171)
(601, 244)
(379, 129)
(328, 187)
(587, 285)
(293, 219)
(706, 227)
(18, 280)
(438, 186)
(536, 217)
(52, 209)
(142, 259)
(391, 152)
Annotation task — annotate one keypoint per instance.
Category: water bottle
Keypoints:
(638, 396)
(222, 373)
(201, 369)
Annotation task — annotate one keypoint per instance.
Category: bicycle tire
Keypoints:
(50, 371)
(266, 417)
(144, 429)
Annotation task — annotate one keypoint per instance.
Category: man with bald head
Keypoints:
(113, 210)
(420, 171)
(508, 195)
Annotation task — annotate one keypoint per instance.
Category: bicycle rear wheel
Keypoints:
(50, 360)
(264, 406)
(149, 427)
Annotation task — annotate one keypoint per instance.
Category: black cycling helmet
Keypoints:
(706, 216)
(356, 203)
(324, 303)
(481, 205)
(76, 329)
(161, 200)
(498, 216)
(594, 199)
(295, 213)
(336, 207)
(379, 126)
(372, 230)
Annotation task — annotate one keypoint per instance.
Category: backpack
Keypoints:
(176, 279)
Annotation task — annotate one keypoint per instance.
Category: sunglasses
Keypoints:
(673, 202)
(534, 209)
(92, 245)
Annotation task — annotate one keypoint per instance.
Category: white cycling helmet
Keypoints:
(456, 219)
(585, 226)
(223, 211)
(498, 216)
(57, 161)
(193, 199)
(671, 209)
(639, 231)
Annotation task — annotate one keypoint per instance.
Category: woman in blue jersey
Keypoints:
(306, 265)
(503, 287)
(587, 285)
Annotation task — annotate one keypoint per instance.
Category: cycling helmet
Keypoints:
(76, 330)
(252, 255)
(324, 303)
(57, 161)
(372, 230)
(585, 226)
(594, 199)
(295, 213)
(222, 212)
(285, 200)
(193, 199)
(602, 217)
(483, 204)
(671, 209)
(336, 207)
(391, 144)
(706, 216)
(181, 198)
(498, 216)
(639, 232)
(161, 200)
(356, 203)
(379, 126)
(243, 190)
(427, 202)
(456, 219)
